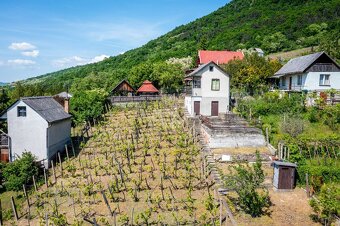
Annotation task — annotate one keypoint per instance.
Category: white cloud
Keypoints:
(99, 58)
(33, 53)
(21, 62)
(76, 61)
(21, 46)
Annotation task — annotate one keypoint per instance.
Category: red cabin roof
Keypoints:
(147, 87)
(218, 57)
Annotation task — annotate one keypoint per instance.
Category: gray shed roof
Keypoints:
(48, 108)
(289, 164)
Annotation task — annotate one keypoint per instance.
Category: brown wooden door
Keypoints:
(285, 178)
(290, 83)
(214, 108)
(197, 107)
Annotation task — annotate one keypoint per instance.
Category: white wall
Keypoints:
(311, 80)
(59, 134)
(27, 133)
(208, 95)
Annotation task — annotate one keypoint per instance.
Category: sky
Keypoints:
(42, 36)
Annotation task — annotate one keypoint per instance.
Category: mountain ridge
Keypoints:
(273, 25)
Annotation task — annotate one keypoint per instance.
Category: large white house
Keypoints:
(39, 125)
(207, 90)
(314, 72)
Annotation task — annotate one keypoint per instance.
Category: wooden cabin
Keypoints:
(284, 175)
(147, 88)
(123, 89)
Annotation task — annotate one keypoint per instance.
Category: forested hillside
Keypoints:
(273, 25)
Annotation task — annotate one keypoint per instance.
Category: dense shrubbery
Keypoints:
(20, 171)
(271, 104)
(89, 104)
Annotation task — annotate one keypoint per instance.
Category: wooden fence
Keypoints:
(127, 99)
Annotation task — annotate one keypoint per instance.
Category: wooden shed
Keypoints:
(123, 89)
(284, 175)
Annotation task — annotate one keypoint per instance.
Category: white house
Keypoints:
(207, 90)
(314, 72)
(39, 125)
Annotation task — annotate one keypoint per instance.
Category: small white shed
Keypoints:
(39, 125)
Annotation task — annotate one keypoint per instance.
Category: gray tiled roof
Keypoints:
(47, 108)
(203, 66)
(298, 65)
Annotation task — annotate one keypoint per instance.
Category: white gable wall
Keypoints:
(209, 95)
(27, 133)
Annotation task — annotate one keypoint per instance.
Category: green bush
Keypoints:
(20, 171)
(328, 203)
(253, 198)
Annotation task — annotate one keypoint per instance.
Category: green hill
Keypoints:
(273, 25)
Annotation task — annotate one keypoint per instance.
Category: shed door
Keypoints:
(197, 107)
(290, 83)
(285, 178)
(214, 108)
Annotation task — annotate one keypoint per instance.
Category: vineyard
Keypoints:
(140, 165)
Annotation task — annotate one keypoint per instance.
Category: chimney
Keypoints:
(67, 105)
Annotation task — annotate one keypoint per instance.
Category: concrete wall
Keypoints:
(232, 139)
(58, 134)
(311, 81)
(27, 133)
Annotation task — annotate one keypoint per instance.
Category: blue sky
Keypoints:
(41, 36)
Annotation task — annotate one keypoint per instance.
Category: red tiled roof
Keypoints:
(219, 57)
(147, 87)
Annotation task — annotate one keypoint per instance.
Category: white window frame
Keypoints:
(299, 80)
(215, 84)
(324, 80)
(21, 111)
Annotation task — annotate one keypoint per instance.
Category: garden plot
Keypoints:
(287, 208)
(140, 166)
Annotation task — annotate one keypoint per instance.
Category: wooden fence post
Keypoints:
(14, 209)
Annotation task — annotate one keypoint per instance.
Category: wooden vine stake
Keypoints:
(1, 223)
(73, 151)
(34, 184)
(66, 149)
(14, 208)
(61, 166)
(107, 203)
(53, 171)
(45, 177)
(307, 186)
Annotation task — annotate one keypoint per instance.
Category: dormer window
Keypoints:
(21, 111)
(211, 68)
